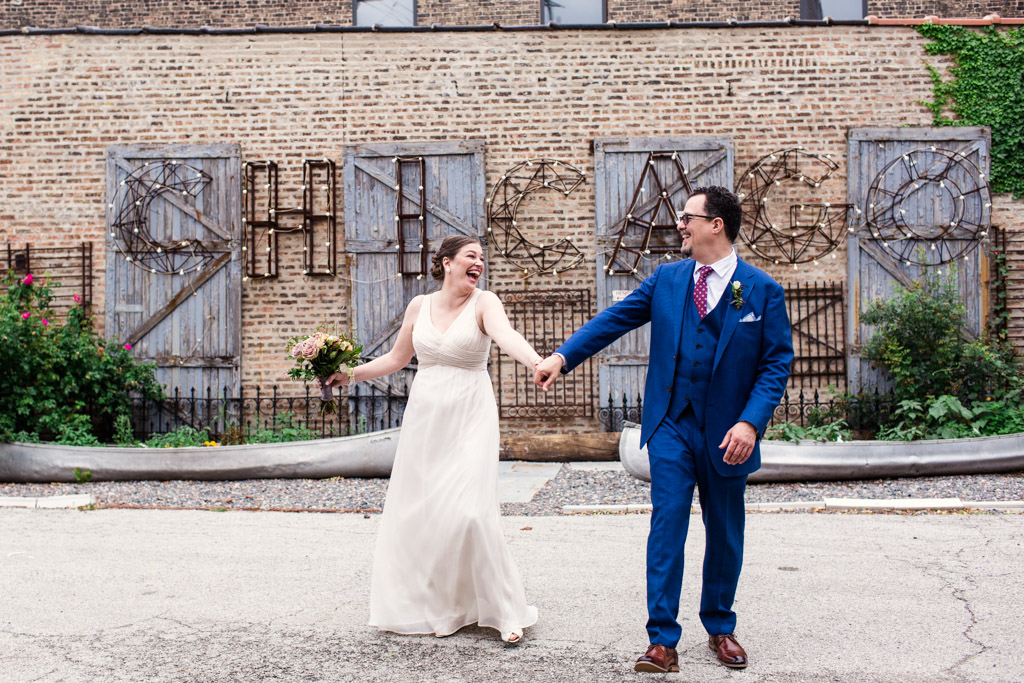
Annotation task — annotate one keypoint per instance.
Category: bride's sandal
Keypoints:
(513, 637)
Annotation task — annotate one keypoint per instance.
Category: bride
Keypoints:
(441, 560)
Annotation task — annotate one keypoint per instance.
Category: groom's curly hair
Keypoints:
(448, 249)
(722, 203)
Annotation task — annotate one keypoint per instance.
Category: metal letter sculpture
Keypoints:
(649, 227)
(812, 230)
(259, 222)
(262, 225)
(175, 182)
(411, 216)
(515, 184)
(929, 206)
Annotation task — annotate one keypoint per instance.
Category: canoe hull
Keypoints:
(815, 461)
(363, 455)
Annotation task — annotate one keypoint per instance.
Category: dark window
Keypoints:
(836, 9)
(385, 12)
(572, 11)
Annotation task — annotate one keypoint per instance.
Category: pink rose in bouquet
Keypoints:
(320, 355)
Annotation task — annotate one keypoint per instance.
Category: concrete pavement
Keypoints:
(140, 595)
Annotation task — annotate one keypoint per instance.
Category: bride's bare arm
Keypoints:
(495, 325)
(392, 361)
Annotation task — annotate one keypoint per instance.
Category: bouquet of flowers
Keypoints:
(318, 357)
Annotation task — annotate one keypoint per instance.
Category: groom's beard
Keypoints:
(687, 252)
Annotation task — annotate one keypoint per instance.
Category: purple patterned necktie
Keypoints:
(700, 291)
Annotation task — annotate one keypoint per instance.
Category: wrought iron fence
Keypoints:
(365, 410)
(546, 319)
(862, 413)
(817, 314)
(67, 271)
(612, 415)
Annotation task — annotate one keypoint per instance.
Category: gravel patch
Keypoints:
(569, 487)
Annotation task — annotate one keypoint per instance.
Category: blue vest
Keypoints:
(696, 357)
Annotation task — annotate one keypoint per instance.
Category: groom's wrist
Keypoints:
(560, 357)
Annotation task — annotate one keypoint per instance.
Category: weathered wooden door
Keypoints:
(928, 183)
(173, 288)
(446, 189)
(642, 185)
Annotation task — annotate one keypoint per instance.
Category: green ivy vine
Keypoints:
(987, 89)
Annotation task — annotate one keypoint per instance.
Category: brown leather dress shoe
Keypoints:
(729, 652)
(659, 659)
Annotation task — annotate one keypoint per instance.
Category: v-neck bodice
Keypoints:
(462, 345)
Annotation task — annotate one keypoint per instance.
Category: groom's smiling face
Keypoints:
(700, 234)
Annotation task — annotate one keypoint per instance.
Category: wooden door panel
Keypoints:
(187, 322)
(454, 189)
(619, 168)
(874, 271)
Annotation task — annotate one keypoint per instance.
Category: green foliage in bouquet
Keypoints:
(319, 356)
(322, 354)
(61, 379)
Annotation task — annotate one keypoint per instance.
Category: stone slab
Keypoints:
(17, 502)
(519, 481)
(894, 504)
(53, 502)
(995, 505)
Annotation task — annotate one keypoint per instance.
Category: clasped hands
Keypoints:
(738, 443)
(546, 371)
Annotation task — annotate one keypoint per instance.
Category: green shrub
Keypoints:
(920, 341)
(946, 417)
(123, 435)
(285, 428)
(181, 437)
(61, 379)
(790, 431)
(946, 386)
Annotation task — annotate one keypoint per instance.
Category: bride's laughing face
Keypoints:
(467, 266)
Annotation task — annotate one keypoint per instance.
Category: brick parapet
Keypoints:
(240, 13)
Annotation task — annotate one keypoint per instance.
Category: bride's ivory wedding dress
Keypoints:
(441, 561)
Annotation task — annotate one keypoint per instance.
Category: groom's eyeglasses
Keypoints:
(687, 217)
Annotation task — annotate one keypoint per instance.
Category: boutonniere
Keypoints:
(737, 294)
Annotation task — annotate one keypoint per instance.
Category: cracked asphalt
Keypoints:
(151, 595)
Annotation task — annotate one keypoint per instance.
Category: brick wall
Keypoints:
(195, 13)
(65, 98)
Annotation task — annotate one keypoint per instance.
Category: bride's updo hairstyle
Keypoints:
(448, 249)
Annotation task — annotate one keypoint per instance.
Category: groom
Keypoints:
(721, 349)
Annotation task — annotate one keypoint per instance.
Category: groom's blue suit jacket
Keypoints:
(752, 360)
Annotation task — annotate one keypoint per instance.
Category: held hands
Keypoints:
(739, 443)
(546, 371)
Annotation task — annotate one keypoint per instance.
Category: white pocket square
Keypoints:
(750, 318)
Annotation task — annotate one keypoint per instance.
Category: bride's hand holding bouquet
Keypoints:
(321, 355)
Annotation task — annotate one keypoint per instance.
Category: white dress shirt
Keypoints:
(719, 277)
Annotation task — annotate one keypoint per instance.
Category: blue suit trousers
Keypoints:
(679, 461)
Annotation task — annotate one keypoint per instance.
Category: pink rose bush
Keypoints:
(320, 355)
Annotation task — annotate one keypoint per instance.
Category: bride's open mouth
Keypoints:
(474, 274)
